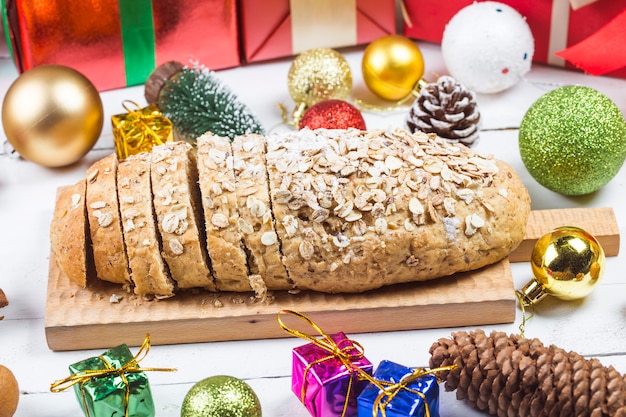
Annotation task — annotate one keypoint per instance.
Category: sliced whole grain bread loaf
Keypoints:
(105, 227)
(327, 210)
(221, 213)
(177, 205)
(149, 272)
(69, 241)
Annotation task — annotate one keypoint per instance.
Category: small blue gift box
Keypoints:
(400, 393)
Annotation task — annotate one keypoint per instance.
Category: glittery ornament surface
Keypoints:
(221, 396)
(573, 140)
(333, 114)
(488, 46)
(319, 74)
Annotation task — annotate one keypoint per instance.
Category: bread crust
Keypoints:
(105, 227)
(68, 233)
(149, 273)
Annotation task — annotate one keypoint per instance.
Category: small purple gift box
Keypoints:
(398, 391)
(325, 376)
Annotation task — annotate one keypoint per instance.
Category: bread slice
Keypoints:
(69, 240)
(255, 211)
(360, 210)
(177, 205)
(149, 272)
(221, 215)
(105, 227)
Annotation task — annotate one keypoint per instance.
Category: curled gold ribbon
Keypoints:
(86, 375)
(296, 115)
(140, 129)
(524, 305)
(388, 390)
(342, 354)
(403, 102)
(145, 121)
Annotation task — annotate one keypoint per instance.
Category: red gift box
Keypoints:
(118, 43)
(277, 28)
(555, 24)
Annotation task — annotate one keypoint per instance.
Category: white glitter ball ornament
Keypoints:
(488, 46)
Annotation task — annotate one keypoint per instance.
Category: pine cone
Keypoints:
(511, 376)
(448, 109)
(3, 301)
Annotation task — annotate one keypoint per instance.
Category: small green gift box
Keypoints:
(112, 384)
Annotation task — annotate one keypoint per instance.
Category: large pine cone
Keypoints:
(510, 376)
(448, 109)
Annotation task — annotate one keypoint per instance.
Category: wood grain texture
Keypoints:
(599, 222)
(79, 318)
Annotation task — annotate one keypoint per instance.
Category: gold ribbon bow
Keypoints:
(389, 390)
(345, 354)
(140, 129)
(131, 367)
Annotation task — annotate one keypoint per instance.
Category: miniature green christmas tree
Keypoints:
(197, 102)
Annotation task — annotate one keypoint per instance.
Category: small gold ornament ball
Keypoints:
(52, 115)
(392, 66)
(319, 74)
(9, 392)
(568, 263)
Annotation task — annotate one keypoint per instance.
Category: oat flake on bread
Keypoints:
(347, 210)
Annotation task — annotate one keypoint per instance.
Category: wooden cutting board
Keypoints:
(88, 318)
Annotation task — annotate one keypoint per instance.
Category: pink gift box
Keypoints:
(278, 28)
(555, 24)
(325, 380)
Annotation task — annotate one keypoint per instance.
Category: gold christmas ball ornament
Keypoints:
(52, 115)
(319, 74)
(567, 263)
(9, 392)
(392, 67)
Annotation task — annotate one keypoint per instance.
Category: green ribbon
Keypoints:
(7, 31)
(138, 40)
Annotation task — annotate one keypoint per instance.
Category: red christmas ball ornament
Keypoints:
(332, 114)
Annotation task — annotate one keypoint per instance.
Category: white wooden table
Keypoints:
(594, 327)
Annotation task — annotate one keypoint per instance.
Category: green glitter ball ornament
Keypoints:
(221, 396)
(573, 140)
